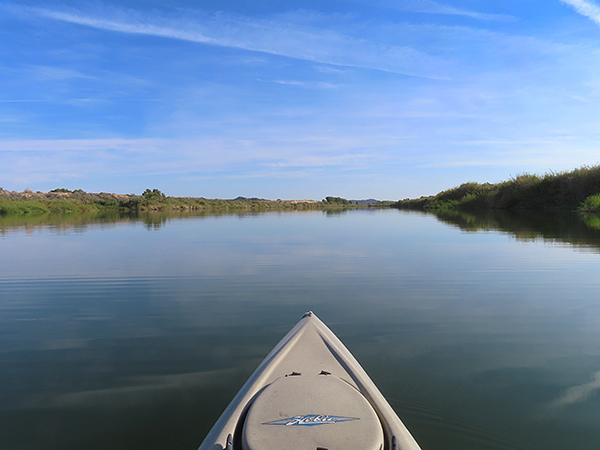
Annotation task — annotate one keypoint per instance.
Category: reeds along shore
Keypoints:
(66, 201)
(577, 190)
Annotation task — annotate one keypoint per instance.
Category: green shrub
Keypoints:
(336, 200)
(592, 221)
(153, 194)
(592, 203)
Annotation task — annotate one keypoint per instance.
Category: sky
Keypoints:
(288, 99)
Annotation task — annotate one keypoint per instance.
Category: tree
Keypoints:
(337, 200)
(153, 194)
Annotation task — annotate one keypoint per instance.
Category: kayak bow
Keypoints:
(309, 393)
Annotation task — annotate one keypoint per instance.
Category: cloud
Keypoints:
(586, 8)
(56, 73)
(432, 7)
(169, 155)
(304, 84)
(274, 36)
(83, 145)
(22, 101)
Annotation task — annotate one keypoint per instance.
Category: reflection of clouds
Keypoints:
(62, 344)
(146, 389)
(579, 393)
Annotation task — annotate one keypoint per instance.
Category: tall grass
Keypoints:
(577, 189)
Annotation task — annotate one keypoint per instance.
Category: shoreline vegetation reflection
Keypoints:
(576, 229)
(81, 222)
(572, 228)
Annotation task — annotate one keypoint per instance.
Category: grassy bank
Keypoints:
(575, 190)
(61, 201)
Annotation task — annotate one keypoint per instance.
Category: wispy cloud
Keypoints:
(21, 101)
(304, 84)
(58, 73)
(241, 155)
(323, 160)
(586, 8)
(69, 145)
(271, 36)
(432, 7)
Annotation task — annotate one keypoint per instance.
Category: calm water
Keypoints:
(134, 333)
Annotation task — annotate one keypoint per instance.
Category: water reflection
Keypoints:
(580, 393)
(135, 331)
(581, 230)
(78, 223)
(577, 229)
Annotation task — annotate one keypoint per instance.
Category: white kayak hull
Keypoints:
(309, 393)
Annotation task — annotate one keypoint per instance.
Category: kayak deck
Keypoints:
(309, 393)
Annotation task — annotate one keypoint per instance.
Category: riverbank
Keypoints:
(60, 201)
(577, 190)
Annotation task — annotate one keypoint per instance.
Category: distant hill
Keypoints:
(368, 201)
(250, 199)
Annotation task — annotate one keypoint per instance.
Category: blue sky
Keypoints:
(287, 99)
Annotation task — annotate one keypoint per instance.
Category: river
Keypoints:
(134, 332)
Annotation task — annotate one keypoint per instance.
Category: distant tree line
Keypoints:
(62, 200)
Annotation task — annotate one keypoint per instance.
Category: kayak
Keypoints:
(309, 393)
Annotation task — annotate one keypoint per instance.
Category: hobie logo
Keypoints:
(311, 420)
